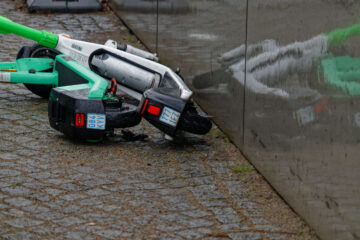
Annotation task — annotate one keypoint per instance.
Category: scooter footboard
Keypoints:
(76, 116)
(72, 113)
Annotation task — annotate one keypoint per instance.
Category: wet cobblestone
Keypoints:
(55, 188)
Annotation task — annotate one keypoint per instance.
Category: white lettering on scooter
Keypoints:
(5, 77)
(77, 47)
(80, 58)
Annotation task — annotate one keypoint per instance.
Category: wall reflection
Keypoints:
(194, 41)
(302, 132)
(288, 97)
(141, 15)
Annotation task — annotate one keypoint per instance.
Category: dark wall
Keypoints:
(298, 117)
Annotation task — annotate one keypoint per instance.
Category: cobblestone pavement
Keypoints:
(54, 188)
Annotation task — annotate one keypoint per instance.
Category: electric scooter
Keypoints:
(80, 104)
(163, 95)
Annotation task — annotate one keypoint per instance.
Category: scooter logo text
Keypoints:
(77, 47)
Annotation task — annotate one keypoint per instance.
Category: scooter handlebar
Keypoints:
(44, 38)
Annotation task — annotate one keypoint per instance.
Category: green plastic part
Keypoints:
(98, 85)
(38, 64)
(343, 73)
(338, 36)
(22, 73)
(8, 65)
(44, 38)
(34, 71)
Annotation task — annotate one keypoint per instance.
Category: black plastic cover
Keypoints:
(63, 107)
(162, 98)
(64, 5)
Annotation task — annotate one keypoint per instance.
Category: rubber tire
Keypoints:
(38, 51)
(191, 121)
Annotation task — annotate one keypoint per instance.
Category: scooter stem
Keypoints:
(44, 38)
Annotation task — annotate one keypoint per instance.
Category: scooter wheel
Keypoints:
(191, 121)
(38, 51)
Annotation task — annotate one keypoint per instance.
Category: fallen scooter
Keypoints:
(164, 98)
(80, 105)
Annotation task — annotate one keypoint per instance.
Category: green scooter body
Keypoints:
(79, 105)
(46, 72)
(29, 71)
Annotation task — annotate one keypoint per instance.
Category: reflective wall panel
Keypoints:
(302, 109)
(195, 40)
(141, 17)
(298, 117)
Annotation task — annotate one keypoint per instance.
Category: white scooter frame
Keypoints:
(81, 51)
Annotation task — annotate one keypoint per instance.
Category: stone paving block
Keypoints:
(42, 197)
(72, 197)
(35, 209)
(197, 213)
(17, 179)
(70, 187)
(180, 207)
(175, 199)
(8, 172)
(69, 221)
(48, 216)
(230, 218)
(35, 185)
(276, 236)
(3, 206)
(245, 236)
(9, 156)
(19, 236)
(109, 234)
(90, 202)
(166, 237)
(18, 202)
(78, 236)
(97, 192)
(267, 228)
(143, 220)
(199, 233)
(14, 213)
(118, 188)
(195, 223)
(23, 222)
(232, 227)
(259, 221)
(214, 203)
(202, 180)
(172, 192)
(52, 191)
(72, 209)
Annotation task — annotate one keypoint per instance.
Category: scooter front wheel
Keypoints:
(38, 51)
(191, 121)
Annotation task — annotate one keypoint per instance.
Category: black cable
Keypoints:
(244, 92)
(157, 25)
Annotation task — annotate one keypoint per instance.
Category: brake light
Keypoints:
(79, 120)
(154, 110)
(145, 104)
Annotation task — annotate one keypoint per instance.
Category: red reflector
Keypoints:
(145, 104)
(154, 110)
(79, 120)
